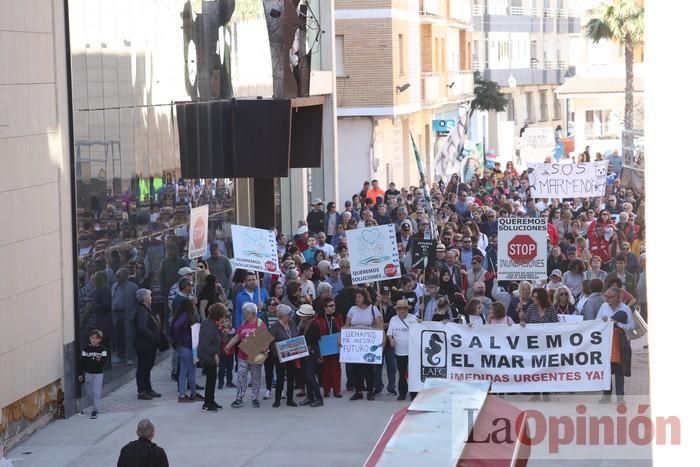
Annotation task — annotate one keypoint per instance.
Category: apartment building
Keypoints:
(595, 98)
(524, 46)
(400, 66)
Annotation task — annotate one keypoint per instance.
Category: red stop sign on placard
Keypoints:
(522, 249)
(199, 227)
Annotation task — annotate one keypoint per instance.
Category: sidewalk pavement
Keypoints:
(342, 433)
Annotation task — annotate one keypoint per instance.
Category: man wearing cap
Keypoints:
(316, 218)
(397, 332)
(333, 278)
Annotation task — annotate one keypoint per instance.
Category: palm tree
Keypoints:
(621, 21)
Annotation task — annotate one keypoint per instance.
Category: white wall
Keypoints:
(579, 105)
(36, 289)
(354, 142)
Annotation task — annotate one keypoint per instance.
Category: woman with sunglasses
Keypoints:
(564, 301)
(330, 322)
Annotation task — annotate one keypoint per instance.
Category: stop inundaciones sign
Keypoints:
(522, 249)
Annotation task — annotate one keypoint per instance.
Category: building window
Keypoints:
(340, 56)
(598, 124)
(510, 108)
(557, 109)
(529, 108)
(402, 64)
(543, 106)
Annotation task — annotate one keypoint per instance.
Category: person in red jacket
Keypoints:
(330, 322)
(600, 245)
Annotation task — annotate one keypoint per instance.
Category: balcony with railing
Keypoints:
(430, 88)
(478, 65)
(478, 9)
(550, 64)
(430, 7)
(460, 84)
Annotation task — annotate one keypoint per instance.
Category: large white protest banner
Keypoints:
(254, 249)
(373, 253)
(361, 346)
(522, 249)
(554, 357)
(199, 232)
(585, 179)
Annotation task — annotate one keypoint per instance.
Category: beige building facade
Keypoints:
(400, 65)
(36, 246)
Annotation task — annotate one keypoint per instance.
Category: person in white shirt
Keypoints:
(308, 288)
(327, 248)
(612, 305)
(398, 339)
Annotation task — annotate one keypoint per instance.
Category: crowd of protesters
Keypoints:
(595, 267)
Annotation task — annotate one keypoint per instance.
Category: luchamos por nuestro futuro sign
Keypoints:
(522, 249)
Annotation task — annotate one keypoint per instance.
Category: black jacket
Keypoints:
(345, 300)
(316, 221)
(148, 328)
(142, 453)
(209, 342)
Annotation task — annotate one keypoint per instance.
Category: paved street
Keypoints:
(340, 434)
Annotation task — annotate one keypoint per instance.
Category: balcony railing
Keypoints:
(534, 64)
(550, 13)
(430, 87)
(562, 64)
(519, 11)
(550, 64)
(430, 7)
(562, 14)
(478, 65)
(460, 84)
(477, 10)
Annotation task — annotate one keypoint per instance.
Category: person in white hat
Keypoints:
(398, 339)
(311, 330)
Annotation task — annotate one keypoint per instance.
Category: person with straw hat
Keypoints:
(398, 339)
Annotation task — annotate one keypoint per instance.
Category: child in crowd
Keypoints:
(225, 359)
(94, 358)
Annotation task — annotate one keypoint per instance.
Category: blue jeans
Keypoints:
(390, 361)
(187, 371)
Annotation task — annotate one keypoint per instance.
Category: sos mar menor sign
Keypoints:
(522, 249)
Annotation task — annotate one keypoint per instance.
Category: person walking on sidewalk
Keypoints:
(282, 330)
(310, 364)
(182, 338)
(94, 358)
(251, 323)
(143, 451)
(149, 333)
(208, 353)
